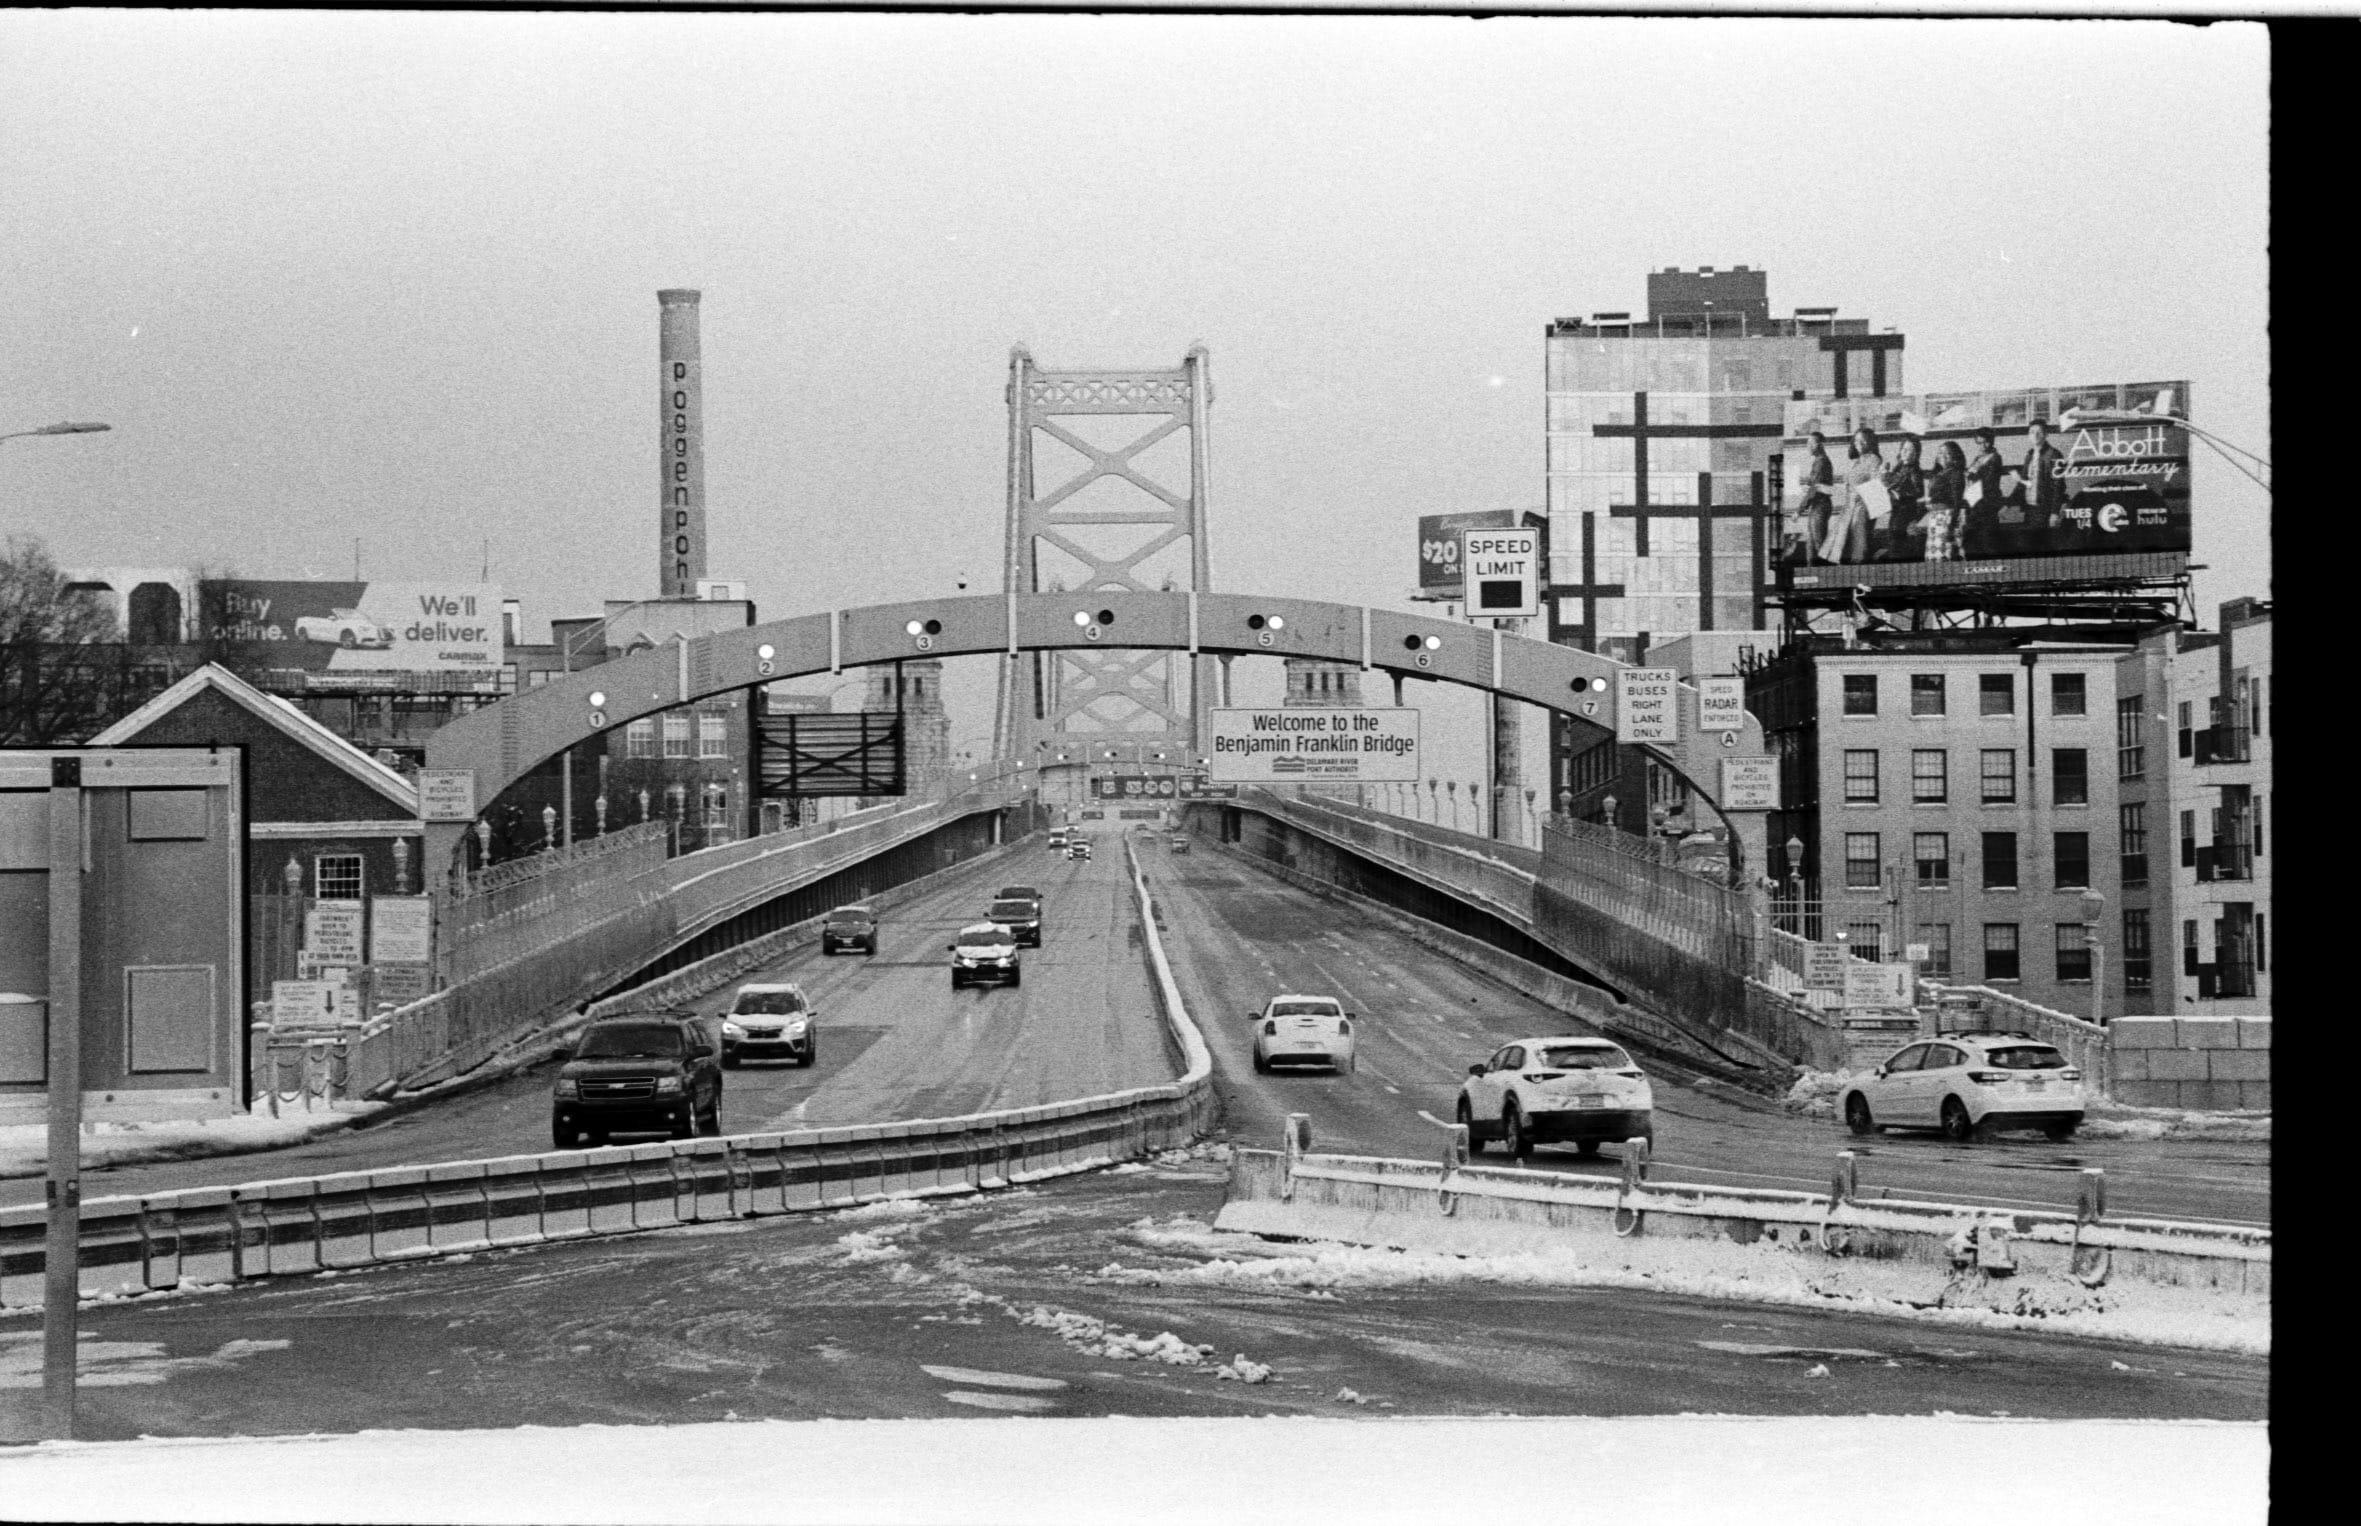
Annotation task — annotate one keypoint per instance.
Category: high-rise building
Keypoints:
(914, 690)
(1661, 434)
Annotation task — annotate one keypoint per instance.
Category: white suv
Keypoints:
(1580, 1090)
(1970, 1085)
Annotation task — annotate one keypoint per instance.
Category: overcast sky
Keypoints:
(393, 277)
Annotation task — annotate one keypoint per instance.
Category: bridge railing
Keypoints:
(1498, 876)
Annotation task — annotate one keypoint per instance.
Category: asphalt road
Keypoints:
(1237, 936)
(896, 1042)
(1034, 1301)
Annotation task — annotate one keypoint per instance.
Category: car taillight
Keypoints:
(2069, 1075)
(1987, 1077)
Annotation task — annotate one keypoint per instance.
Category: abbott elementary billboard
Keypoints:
(2028, 486)
(360, 627)
(1270, 746)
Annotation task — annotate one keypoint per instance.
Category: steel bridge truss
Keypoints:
(1104, 539)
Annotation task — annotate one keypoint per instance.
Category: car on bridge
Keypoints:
(1018, 893)
(1057, 840)
(770, 1022)
(1079, 850)
(1180, 842)
(648, 1073)
(850, 927)
(1022, 918)
(1971, 1086)
(985, 951)
(1579, 1091)
(1292, 1031)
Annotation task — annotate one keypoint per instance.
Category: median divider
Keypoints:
(2203, 1284)
(131, 1246)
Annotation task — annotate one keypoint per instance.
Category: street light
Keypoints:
(2094, 908)
(67, 428)
(1795, 881)
(1608, 806)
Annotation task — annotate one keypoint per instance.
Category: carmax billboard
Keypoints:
(2031, 485)
(359, 627)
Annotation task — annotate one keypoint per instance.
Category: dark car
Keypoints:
(770, 1022)
(1180, 842)
(1021, 917)
(649, 1073)
(850, 927)
(1017, 893)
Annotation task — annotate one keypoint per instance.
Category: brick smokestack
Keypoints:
(680, 410)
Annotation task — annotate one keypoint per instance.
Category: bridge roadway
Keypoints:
(897, 1043)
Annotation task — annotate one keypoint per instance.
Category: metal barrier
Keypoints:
(131, 1245)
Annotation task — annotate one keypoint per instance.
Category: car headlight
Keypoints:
(732, 1030)
(567, 1086)
(795, 1029)
(667, 1085)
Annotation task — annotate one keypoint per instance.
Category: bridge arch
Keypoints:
(500, 743)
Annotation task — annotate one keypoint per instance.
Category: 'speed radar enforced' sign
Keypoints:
(1375, 746)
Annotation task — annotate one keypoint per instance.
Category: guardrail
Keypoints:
(133, 1245)
(1926, 1253)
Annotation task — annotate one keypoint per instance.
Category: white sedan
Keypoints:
(1303, 1030)
(1970, 1085)
(1581, 1091)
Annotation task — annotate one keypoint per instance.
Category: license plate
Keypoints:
(2036, 1083)
(1590, 1102)
(1306, 1044)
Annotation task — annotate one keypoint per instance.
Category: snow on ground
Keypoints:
(1815, 1094)
(24, 1147)
(1696, 1268)
(1813, 1471)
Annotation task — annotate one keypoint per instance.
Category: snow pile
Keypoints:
(1244, 1371)
(24, 1147)
(1095, 1337)
(889, 1209)
(1712, 1269)
(1815, 1092)
(2115, 1120)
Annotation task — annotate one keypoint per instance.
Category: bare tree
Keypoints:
(55, 645)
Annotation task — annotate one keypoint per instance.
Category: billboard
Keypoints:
(2104, 494)
(359, 627)
(1296, 744)
(1439, 545)
(858, 752)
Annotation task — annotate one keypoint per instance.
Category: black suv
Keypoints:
(1021, 917)
(850, 927)
(648, 1073)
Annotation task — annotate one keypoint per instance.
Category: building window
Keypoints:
(1865, 940)
(2000, 860)
(676, 736)
(1999, 775)
(2136, 969)
(1930, 775)
(2131, 754)
(2069, 694)
(2000, 951)
(337, 876)
(2257, 803)
(639, 739)
(2069, 769)
(2070, 854)
(2074, 952)
(713, 736)
(1932, 850)
(1937, 938)
(2258, 942)
(2181, 729)
(2189, 947)
(1860, 694)
(1926, 694)
(2132, 821)
(1861, 861)
(2188, 839)
(1996, 694)
(717, 807)
(1860, 776)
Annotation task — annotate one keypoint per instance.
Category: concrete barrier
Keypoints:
(2211, 1063)
(2199, 1284)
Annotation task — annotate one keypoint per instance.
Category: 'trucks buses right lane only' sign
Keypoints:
(1375, 746)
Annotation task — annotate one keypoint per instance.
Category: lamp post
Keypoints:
(1607, 807)
(2094, 908)
(1532, 828)
(1795, 882)
(1434, 805)
(1566, 804)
